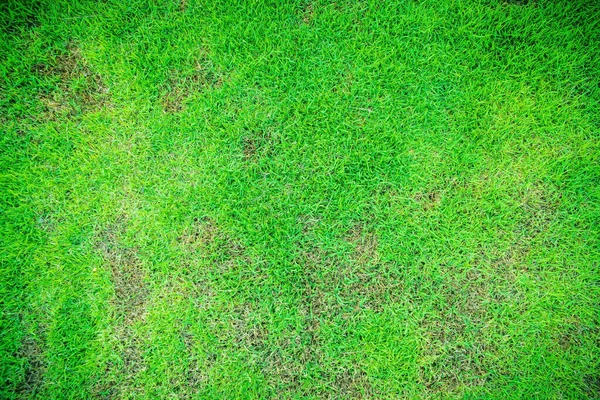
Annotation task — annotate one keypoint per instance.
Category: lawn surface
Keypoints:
(300, 199)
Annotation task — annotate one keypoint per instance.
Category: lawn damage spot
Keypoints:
(131, 295)
(308, 223)
(352, 383)
(366, 245)
(307, 13)
(197, 369)
(202, 233)
(428, 200)
(183, 83)
(449, 363)
(77, 89)
(251, 332)
(367, 282)
(257, 143)
(456, 346)
(204, 239)
(291, 356)
(458, 349)
(127, 275)
(539, 208)
(31, 350)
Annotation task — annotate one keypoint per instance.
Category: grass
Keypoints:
(302, 199)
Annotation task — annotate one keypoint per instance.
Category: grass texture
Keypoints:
(300, 199)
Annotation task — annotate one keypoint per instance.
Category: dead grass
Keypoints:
(202, 233)
(353, 383)
(366, 245)
(308, 13)
(204, 237)
(197, 370)
(592, 385)
(258, 143)
(429, 200)
(182, 84)
(131, 294)
(449, 362)
(32, 351)
(78, 88)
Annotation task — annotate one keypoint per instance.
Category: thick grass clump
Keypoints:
(302, 199)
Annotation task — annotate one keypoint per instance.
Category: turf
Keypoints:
(300, 199)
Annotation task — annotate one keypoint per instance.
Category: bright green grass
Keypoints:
(319, 199)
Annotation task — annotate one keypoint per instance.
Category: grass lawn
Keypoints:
(300, 199)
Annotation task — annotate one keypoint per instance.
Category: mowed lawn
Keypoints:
(300, 199)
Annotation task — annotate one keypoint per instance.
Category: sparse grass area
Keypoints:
(303, 199)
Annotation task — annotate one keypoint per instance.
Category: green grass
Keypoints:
(300, 199)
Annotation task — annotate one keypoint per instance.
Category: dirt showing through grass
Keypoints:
(32, 351)
(182, 84)
(131, 293)
(78, 88)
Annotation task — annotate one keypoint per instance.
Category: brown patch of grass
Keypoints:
(308, 13)
(539, 208)
(308, 223)
(173, 100)
(283, 369)
(364, 283)
(201, 234)
(127, 276)
(367, 282)
(250, 331)
(204, 235)
(31, 350)
(537, 212)
(284, 358)
(353, 383)
(131, 293)
(258, 143)
(429, 200)
(366, 245)
(79, 89)
(573, 334)
(250, 147)
(181, 85)
(448, 360)
(197, 371)
(459, 319)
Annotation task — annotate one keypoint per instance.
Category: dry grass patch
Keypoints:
(131, 295)
(33, 352)
(307, 13)
(206, 240)
(78, 88)
(429, 200)
(257, 143)
(182, 84)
